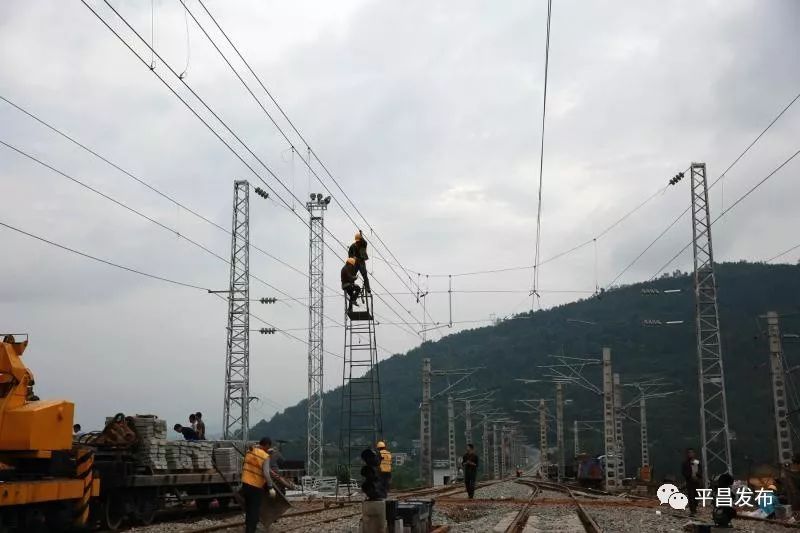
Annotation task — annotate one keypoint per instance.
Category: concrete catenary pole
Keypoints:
(780, 407)
(495, 454)
(485, 446)
(609, 430)
(451, 436)
(560, 429)
(643, 431)
(618, 429)
(467, 422)
(425, 461)
(576, 443)
(543, 459)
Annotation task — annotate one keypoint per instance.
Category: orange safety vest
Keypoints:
(253, 469)
(386, 462)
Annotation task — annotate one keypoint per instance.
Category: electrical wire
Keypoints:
(310, 151)
(720, 177)
(541, 161)
(180, 205)
(281, 131)
(727, 210)
(792, 249)
(217, 134)
(104, 261)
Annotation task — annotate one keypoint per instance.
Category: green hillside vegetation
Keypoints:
(514, 348)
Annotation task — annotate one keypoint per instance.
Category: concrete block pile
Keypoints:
(152, 450)
(227, 459)
(190, 455)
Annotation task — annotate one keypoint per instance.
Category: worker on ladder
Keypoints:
(351, 289)
(385, 467)
(358, 251)
(255, 480)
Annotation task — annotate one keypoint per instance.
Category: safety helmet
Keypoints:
(358, 236)
(381, 445)
(351, 261)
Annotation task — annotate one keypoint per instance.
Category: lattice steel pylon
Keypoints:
(316, 295)
(235, 417)
(361, 422)
(714, 431)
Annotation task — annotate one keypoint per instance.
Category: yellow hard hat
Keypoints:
(358, 236)
(351, 261)
(381, 445)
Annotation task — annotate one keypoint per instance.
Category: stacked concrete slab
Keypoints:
(152, 450)
(227, 459)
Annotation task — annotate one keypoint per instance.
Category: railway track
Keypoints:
(525, 515)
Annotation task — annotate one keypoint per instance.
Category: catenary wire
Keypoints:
(302, 138)
(541, 159)
(219, 137)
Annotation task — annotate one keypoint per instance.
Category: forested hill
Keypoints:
(514, 348)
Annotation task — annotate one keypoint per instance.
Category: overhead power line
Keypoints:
(220, 138)
(104, 261)
(303, 139)
(728, 209)
(541, 160)
(720, 177)
(790, 250)
(287, 139)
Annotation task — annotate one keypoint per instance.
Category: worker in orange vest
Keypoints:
(255, 480)
(385, 467)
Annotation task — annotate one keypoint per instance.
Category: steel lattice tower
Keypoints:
(361, 422)
(235, 423)
(316, 294)
(715, 436)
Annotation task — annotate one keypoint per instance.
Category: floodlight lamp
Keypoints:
(327, 200)
(313, 196)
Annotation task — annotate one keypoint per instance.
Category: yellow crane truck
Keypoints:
(46, 483)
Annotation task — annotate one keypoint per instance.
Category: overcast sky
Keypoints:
(429, 116)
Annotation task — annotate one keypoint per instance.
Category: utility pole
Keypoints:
(609, 429)
(504, 451)
(425, 460)
(485, 445)
(467, 421)
(451, 436)
(560, 429)
(316, 297)
(643, 432)
(235, 418)
(495, 455)
(715, 434)
(618, 429)
(543, 459)
(780, 407)
(577, 448)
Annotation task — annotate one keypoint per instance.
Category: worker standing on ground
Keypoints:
(358, 251)
(349, 275)
(690, 468)
(385, 467)
(255, 480)
(470, 464)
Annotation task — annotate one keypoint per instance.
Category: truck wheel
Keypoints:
(113, 511)
(146, 507)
